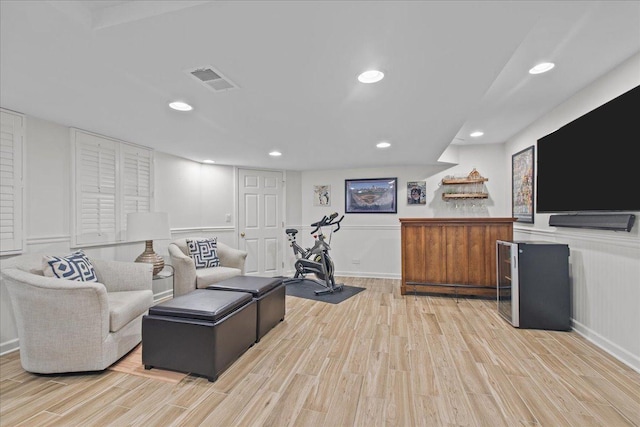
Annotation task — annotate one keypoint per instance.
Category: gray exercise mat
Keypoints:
(307, 288)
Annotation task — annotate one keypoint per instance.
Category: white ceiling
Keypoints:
(451, 67)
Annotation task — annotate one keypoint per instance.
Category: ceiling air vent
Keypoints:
(212, 78)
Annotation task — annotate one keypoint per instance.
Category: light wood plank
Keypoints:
(378, 359)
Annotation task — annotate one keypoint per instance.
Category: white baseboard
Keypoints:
(160, 296)
(631, 360)
(14, 344)
(362, 274)
(9, 346)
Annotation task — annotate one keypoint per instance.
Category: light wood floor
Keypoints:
(378, 359)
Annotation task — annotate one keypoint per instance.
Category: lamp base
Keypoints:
(150, 257)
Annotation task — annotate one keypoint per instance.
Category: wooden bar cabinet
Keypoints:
(455, 256)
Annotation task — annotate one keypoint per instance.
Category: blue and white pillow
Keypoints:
(75, 266)
(204, 252)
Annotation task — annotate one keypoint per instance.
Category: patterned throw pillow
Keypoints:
(75, 266)
(204, 252)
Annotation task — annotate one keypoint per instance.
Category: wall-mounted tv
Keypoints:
(588, 165)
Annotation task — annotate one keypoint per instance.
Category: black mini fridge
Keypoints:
(533, 289)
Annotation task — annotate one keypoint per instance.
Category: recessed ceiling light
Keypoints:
(383, 145)
(275, 153)
(180, 106)
(371, 76)
(543, 67)
(208, 161)
(476, 134)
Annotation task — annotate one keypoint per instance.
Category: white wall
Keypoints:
(197, 197)
(368, 244)
(605, 265)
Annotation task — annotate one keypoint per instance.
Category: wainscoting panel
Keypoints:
(123, 252)
(605, 272)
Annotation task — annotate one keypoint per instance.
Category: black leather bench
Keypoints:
(202, 332)
(268, 292)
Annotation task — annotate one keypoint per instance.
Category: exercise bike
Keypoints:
(316, 260)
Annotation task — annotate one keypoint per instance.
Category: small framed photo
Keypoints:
(375, 195)
(321, 195)
(417, 192)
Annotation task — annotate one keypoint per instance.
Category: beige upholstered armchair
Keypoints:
(187, 278)
(74, 326)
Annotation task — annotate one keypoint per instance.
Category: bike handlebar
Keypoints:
(338, 223)
(319, 224)
(327, 220)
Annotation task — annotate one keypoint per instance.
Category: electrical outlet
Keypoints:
(355, 261)
(227, 217)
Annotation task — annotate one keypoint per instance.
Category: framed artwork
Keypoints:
(417, 192)
(373, 195)
(522, 169)
(321, 195)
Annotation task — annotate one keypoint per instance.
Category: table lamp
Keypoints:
(148, 226)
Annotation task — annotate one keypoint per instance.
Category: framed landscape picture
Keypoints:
(522, 168)
(372, 195)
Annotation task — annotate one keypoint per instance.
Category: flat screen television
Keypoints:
(587, 165)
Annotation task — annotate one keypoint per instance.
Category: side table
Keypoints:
(167, 272)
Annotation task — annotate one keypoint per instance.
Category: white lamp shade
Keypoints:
(148, 226)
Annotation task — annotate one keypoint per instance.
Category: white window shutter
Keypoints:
(96, 185)
(111, 179)
(137, 182)
(12, 130)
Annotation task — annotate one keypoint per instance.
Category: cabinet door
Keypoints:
(413, 259)
(423, 257)
(435, 250)
(457, 254)
(482, 257)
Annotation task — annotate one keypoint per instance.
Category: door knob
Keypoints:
(242, 234)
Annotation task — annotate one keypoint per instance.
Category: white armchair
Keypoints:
(188, 278)
(73, 326)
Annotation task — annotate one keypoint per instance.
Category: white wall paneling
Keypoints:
(12, 133)
(110, 179)
(604, 269)
(605, 265)
(194, 194)
(197, 198)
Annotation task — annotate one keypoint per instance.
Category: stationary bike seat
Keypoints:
(291, 231)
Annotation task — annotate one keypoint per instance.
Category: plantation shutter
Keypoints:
(111, 179)
(12, 127)
(137, 182)
(96, 204)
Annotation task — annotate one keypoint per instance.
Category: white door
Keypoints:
(260, 221)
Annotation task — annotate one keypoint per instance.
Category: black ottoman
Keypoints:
(268, 292)
(201, 332)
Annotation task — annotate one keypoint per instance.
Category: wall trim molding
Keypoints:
(583, 235)
(352, 227)
(66, 238)
(14, 344)
(9, 346)
(368, 275)
(160, 296)
(614, 350)
(289, 274)
(202, 229)
(47, 240)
